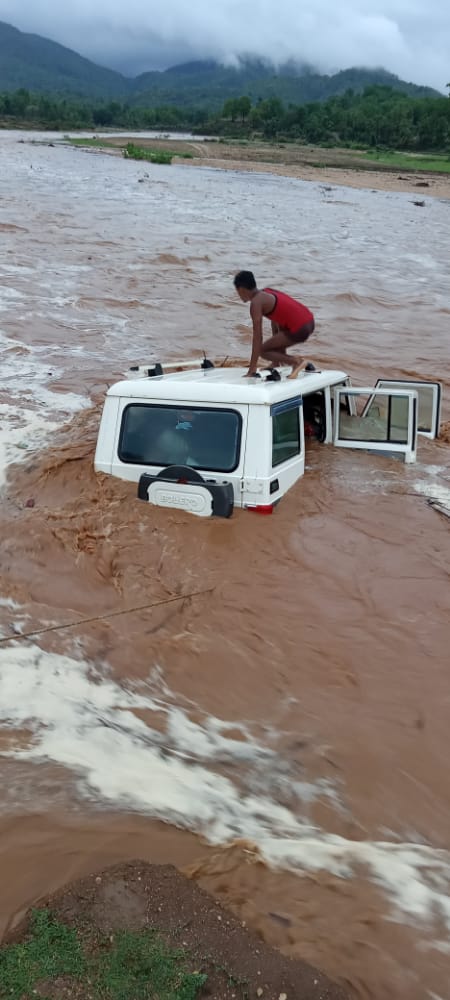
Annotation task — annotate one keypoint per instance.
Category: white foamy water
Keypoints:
(83, 720)
(435, 491)
(29, 410)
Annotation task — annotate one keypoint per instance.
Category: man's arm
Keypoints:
(257, 319)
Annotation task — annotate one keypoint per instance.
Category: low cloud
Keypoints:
(407, 37)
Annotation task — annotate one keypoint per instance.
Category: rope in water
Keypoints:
(100, 618)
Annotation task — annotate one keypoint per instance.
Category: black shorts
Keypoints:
(302, 334)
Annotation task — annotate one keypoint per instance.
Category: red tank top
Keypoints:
(287, 312)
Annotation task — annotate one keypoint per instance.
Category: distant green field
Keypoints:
(100, 143)
(404, 161)
(133, 152)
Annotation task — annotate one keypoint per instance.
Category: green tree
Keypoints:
(244, 106)
(231, 108)
(20, 100)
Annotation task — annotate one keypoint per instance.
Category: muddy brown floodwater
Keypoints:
(275, 682)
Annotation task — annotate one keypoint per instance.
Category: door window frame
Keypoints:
(415, 386)
(406, 449)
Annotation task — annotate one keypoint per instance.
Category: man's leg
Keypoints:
(275, 330)
(274, 350)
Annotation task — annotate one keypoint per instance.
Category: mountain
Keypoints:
(41, 65)
(208, 85)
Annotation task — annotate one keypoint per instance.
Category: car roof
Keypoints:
(223, 385)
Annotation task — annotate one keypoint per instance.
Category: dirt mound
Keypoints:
(139, 897)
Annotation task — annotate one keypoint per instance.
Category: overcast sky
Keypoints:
(408, 37)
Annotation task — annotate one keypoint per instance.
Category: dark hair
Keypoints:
(245, 279)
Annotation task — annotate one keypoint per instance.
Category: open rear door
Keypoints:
(380, 419)
(429, 402)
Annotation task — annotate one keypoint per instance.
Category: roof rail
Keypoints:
(157, 368)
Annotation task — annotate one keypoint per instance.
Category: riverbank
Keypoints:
(145, 930)
(341, 167)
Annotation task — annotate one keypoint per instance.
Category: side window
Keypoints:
(285, 435)
(377, 417)
(383, 420)
(202, 438)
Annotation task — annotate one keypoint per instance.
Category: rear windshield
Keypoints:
(202, 438)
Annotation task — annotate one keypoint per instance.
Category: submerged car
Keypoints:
(207, 439)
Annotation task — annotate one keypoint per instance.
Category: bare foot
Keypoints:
(298, 367)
